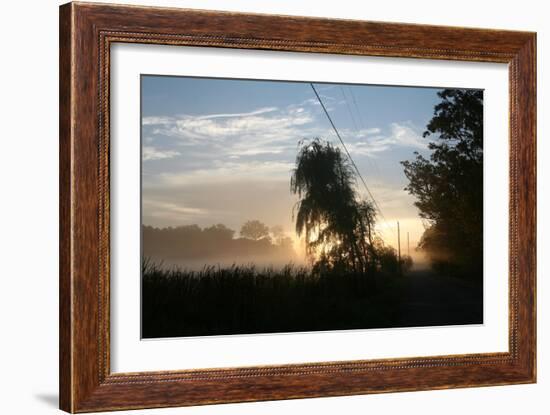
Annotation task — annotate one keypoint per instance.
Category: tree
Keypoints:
(277, 233)
(219, 231)
(449, 185)
(254, 229)
(367, 218)
(335, 224)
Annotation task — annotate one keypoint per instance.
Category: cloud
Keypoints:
(166, 210)
(151, 153)
(244, 150)
(407, 135)
(267, 130)
(237, 115)
(370, 142)
(225, 172)
(254, 146)
(329, 102)
(154, 120)
(370, 131)
(157, 120)
(261, 123)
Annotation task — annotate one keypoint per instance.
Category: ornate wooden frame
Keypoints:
(86, 33)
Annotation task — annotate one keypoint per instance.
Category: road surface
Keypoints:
(432, 300)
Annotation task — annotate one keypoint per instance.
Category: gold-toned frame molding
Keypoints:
(86, 33)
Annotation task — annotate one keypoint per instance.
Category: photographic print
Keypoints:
(278, 206)
(292, 207)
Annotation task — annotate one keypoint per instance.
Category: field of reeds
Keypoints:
(243, 299)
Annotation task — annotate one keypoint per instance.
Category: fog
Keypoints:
(193, 248)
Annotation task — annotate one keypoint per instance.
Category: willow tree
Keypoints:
(336, 226)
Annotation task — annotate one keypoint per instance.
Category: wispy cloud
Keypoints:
(329, 102)
(157, 120)
(265, 122)
(255, 145)
(407, 135)
(370, 142)
(166, 210)
(225, 172)
(268, 130)
(151, 153)
(238, 115)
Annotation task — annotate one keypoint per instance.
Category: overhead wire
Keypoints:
(363, 125)
(349, 156)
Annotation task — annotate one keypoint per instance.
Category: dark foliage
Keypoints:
(212, 243)
(245, 299)
(337, 225)
(254, 229)
(449, 186)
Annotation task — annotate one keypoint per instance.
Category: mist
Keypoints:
(193, 248)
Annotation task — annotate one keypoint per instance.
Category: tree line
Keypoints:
(216, 241)
(448, 186)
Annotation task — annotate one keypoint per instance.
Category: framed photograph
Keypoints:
(258, 207)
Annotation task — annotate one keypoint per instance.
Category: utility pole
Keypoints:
(399, 247)
(408, 246)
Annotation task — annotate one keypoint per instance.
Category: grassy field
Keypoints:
(246, 299)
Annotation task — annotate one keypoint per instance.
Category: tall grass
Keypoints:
(244, 299)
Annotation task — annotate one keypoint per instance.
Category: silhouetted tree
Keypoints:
(193, 243)
(387, 259)
(449, 185)
(254, 229)
(335, 224)
(219, 231)
(365, 228)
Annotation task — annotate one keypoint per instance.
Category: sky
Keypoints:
(222, 150)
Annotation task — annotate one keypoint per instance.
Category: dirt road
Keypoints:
(431, 300)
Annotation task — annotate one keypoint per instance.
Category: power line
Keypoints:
(361, 120)
(371, 162)
(349, 109)
(363, 125)
(349, 155)
(375, 171)
(357, 125)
